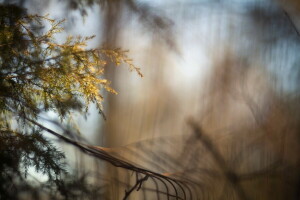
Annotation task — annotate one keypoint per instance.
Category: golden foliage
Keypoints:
(39, 74)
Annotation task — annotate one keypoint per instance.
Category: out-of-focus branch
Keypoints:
(291, 22)
(100, 153)
(229, 174)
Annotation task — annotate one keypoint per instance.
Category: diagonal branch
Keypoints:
(291, 22)
(229, 174)
(101, 154)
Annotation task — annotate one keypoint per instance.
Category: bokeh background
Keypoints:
(218, 105)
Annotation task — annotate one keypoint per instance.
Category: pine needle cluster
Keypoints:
(38, 74)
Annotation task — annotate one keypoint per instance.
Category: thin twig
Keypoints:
(291, 22)
(137, 186)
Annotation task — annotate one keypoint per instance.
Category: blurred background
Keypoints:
(217, 108)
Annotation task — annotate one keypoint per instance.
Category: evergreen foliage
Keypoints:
(37, 74)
